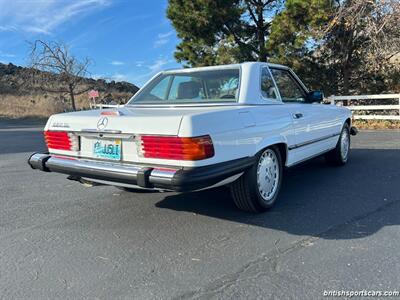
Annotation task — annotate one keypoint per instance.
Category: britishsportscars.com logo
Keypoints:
(360, 293)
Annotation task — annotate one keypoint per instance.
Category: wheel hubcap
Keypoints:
(268, 174)
(344, 144)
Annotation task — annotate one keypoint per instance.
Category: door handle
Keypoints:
(297, 115)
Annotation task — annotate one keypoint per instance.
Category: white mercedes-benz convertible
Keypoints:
(190, 129)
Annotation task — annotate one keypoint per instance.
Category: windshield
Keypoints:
(209, 86)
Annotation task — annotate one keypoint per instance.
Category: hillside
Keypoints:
(22, 93)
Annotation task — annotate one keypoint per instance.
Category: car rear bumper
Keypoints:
(177, 179)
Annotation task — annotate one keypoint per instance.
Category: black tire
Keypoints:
(335, 157)
(245, 191)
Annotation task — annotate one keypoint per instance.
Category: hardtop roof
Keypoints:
(221, 67)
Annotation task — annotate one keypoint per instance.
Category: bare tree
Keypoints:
(56, 58)
(383, 31)
(362, 37)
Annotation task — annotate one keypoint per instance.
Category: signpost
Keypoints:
(93, 94)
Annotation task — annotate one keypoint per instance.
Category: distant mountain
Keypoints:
(22, 93)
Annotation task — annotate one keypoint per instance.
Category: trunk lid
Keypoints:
(113, 137)
(137, 121)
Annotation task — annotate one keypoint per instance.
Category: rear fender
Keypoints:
(270, 141)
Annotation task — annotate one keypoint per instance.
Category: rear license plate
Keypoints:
(109, 149)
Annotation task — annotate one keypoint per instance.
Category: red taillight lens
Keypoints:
(179, 148)
(61, 140)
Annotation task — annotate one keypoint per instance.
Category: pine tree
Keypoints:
(222, 31)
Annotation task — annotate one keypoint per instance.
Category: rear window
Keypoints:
(208, 86)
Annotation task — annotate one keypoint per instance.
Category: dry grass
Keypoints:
(376, 124)
(29, 106)
(43, 106)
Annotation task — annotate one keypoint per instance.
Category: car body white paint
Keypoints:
(237, 130)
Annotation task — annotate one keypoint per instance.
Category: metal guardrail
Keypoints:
(362, 107)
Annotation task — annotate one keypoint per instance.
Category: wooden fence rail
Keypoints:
(392, 111)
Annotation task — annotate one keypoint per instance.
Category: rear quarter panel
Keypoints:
(242, 132)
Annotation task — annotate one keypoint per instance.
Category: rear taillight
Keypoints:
(173, 147)
(61, 140)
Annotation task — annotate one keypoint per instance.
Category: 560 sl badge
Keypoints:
(60, 125)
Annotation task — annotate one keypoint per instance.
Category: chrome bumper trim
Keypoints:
(103, 170)
(38, 161)
(149, 177)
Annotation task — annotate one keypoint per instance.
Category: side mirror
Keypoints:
(315, 96)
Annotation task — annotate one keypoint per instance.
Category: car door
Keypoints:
(313, 124)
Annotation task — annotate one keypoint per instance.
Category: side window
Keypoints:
(288, 88)
(224, 87)
(268, 89)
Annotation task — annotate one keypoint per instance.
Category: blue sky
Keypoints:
(127, 40)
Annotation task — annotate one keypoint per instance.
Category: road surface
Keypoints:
(334, 228)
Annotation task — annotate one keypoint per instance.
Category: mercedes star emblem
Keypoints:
(102, 123)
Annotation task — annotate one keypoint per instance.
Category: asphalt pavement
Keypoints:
(333, 228)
